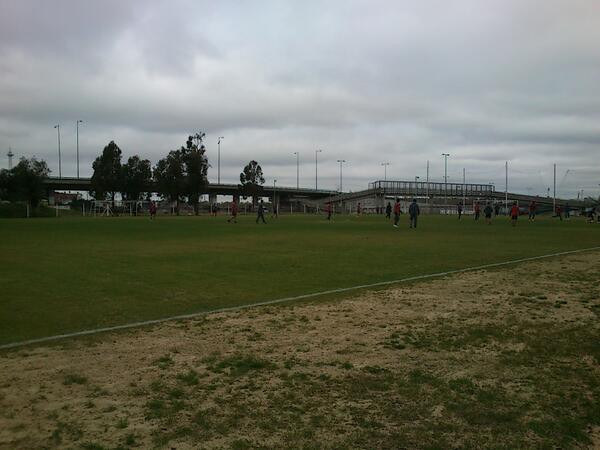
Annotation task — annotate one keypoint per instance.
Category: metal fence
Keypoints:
(432, 188)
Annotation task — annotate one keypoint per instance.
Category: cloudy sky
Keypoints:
(365, 81)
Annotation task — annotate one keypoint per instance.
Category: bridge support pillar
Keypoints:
(212, 198)
(51, 197)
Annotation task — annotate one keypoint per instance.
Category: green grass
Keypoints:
(69, 274)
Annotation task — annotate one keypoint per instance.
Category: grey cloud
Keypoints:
(369, 82)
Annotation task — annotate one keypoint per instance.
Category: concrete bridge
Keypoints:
(379, 192)
(283, 193)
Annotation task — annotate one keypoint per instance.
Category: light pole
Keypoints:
(297, 169)
(59, 161)
(445, 155)
(416, 187)
(341, 161)
(554, 193)
(274, 198)
(427, 193)
(316, 152)
(78, 122)
(506, 187)
(219, 159)
(10, 155)
(385, 165)
(464, 187)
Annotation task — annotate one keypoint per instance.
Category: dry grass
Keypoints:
(502, 359)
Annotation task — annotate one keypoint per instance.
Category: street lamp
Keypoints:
(59, 161)
(416, 187)
(385, 164)
(219, 160)
(10, 155)
(297, 169)
(341, 161)
(316, 151)
(274, 198)
(78, 122)
(445, 155)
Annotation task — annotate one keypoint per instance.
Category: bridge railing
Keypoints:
(432, 188)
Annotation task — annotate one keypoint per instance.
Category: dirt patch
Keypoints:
(473, 360)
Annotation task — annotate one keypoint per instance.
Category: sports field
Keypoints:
(70, 274)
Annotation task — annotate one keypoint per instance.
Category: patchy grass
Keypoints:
(73, 378)
(460, 362)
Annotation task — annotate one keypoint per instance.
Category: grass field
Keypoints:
(70, 274)
(488, 359)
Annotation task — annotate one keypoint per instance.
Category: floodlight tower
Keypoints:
(10, 155)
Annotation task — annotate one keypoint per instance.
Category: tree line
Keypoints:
(181, 176)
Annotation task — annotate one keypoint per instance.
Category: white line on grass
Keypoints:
(286, 299)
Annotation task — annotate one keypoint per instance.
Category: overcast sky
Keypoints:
(365, 81)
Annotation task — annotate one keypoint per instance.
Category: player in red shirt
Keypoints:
(532, 208)
(152, 210)
(234, 211)
(329, 211)
(514, 214)
(559, 212)
(477, 210)
(396, 212)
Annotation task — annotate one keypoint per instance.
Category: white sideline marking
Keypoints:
(286, 299)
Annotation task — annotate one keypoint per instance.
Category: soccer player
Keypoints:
(514, 214)
(152, 210)
(487, 212)
(396, 212)
(234, 211)
(388, 211)
(559, 212)
(358, 209)
(260, 212)
(496, 208)
(477, 210)
(413, 211)
(329, 211)
(532, 209)
(459, 208)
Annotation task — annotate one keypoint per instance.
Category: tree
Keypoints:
(107, 179)
(137, 178)
(169, 177)
(25, 181)
(251, 180)
(195, 169)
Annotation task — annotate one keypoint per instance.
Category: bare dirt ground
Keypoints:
(487, 359)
